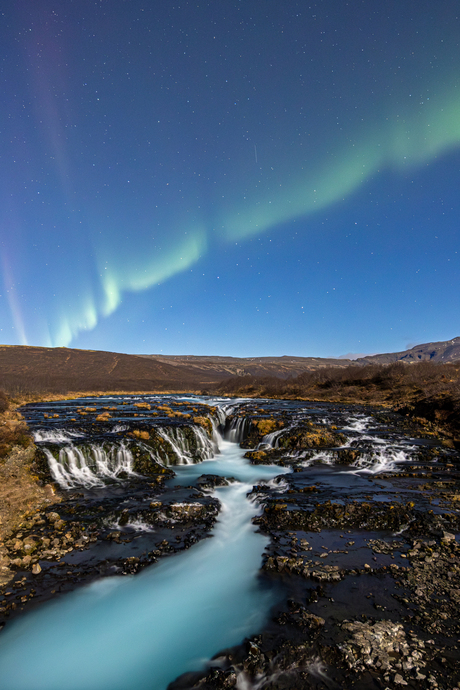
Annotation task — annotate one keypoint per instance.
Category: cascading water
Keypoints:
(92, 464)
(384, 459)
(142, 632)
(55, 436)
(271, 440)
(89, 465)
(187, 451)
(238, 429)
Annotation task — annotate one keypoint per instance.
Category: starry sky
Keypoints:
(246, 178)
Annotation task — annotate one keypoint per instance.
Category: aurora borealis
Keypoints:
(237, 178)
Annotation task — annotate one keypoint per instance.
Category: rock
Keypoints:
(36, 569)
(114, 535)
(313, 621)
(210, 481)
(144, 435)
(186, 511)
(399, 680)
(257, 457)
(30, 545)
(447, 537)
(381, 645)
(124, 517)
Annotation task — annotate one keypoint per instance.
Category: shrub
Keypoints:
(4, 402)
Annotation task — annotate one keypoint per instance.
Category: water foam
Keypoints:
(56, 435)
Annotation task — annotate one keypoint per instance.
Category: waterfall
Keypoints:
(55, 435)
(87, 465)
(271, 440)
(188, 450)
(384, 459)
(238, 429)
(91, 465)
(221, 416)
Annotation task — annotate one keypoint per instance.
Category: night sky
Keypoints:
(249, 178)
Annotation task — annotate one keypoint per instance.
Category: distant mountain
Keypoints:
(288, 366)
(441, 352)
(24, 368)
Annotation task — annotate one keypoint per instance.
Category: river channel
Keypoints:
(184, 521)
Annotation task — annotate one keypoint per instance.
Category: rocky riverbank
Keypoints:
(362, 532)
(52, 540)
(369, 567)
(52, 552)
(22, 493)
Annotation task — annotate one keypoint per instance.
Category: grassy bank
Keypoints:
(22, 494)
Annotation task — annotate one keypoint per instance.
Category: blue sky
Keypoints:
(231, 178)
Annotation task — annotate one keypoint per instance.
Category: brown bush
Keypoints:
(4, 402)
(13, 436)
(390, 383)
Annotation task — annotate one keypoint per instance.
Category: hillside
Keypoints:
(58, 370)
(288, 366)
(282, 367)
(35, 369)
(442, 352)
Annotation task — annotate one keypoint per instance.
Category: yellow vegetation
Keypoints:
(204, 422)
(141, 434)
(266, 426)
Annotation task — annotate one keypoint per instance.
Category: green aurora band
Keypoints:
(401, 142)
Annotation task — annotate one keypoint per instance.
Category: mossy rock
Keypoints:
(40, 465)
(311, 436)
(257, 457)
(147, 465)
(260, 428)
(346, 456)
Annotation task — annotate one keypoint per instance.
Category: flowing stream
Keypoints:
(143, 631)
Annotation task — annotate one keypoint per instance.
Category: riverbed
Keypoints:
(316, 526)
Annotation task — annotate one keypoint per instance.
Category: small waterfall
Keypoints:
(271, 440)
(324, 457)
(221, 418)
(238, 429)
(188, 450)
(384, 459)
(207, 447)
(87, 465)
(75, 464)
(358, 424)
